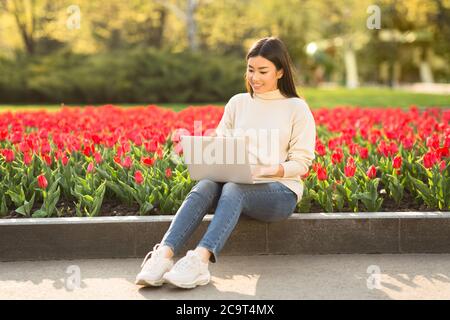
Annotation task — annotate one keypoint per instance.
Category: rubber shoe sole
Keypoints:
(153, 283)
(200, 281)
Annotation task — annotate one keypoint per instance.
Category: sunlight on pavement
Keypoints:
(237, 284)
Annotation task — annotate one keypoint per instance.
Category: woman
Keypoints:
(271, 103)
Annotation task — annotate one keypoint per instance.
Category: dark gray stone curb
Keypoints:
(313, 233)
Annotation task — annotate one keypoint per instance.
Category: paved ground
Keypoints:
(412, 276)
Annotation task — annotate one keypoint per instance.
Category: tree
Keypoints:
(32, 18)
(186, 13)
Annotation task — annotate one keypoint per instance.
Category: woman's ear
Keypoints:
(280, 73)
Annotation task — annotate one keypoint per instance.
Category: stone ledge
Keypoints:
(312, 233)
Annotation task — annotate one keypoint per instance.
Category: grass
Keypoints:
(367, 97)
(316, 98)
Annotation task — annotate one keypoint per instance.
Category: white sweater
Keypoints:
(284, 123)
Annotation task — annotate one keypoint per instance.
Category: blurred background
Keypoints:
(383, 52)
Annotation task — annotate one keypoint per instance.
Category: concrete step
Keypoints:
(315, 233)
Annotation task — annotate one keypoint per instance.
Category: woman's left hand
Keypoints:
(259, 171)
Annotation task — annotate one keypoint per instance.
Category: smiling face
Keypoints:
(262, 74)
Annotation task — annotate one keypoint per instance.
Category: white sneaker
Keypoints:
(189, 272)
(153, 269)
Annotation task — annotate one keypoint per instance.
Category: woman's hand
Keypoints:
(260, 171)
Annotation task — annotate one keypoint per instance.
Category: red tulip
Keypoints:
(151, 146)
(24, 147)
(148, 161)
(407, 143)
(349, 171)
(48, 160)
(350, 161)
(45, 147)
(64, 160)
(42, 181)
(16, 137)
(371, 172)
(363, 152)
(127, 162)
(394, 148)
(442, 152)
(137, 140)
(429, 159)
(321, 150)
(433, 142)
(353, 148)
(322, 173)
(397, 162)
(8, 154)
(90, 167)
(98, 157)
(27, 158)
(316, 166)
(337, 156)
(387, 150)
(96, 139)
(168, 172)
(350, 168)
(87, 151)
(138, 177)
(3, 134)
(442, 166)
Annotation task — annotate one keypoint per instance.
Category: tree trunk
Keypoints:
(426, 74)
(351, 70)
(160, 31)
(191, 24)
(26, 32)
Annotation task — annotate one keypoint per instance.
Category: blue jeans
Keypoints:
(268, 202)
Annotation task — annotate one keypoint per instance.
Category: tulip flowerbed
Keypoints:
(128, 161)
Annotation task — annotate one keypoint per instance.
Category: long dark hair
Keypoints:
(274, 50)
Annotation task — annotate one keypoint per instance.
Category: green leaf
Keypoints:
(88, 198)
(17, 197)
(3, 207)
(117, 190)
(146, 207)
(103, 173)
(54, 201)
(39, 214)
(53, 186)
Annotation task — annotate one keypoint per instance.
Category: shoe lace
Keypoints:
(150, 253)
(186, 263)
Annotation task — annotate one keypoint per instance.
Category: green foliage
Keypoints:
(132, 76)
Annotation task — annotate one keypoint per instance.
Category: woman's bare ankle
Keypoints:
(204, 254)
(167, 251)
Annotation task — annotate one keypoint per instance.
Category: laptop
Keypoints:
(220, 159)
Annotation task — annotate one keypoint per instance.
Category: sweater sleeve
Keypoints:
(227, 121)
(302, 143)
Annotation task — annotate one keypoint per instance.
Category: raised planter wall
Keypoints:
(314, 233)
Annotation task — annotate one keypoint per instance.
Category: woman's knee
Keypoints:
(231, 187)
(207, 187)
